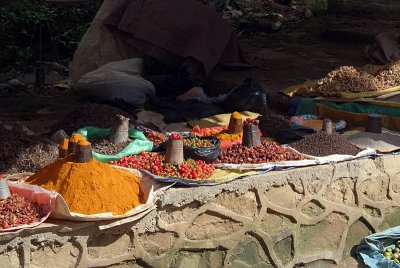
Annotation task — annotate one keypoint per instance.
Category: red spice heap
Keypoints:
(152, 162)
(16, 210)
(250, 121)
(266, 152)
(155, 137)
(176, 136)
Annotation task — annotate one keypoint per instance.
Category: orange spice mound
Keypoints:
(90, 188)
(225, 136)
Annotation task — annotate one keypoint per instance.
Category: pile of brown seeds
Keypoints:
(20, 152)
(91, 114)
(323, 144)
(389, 76)
(271, 122)
(104, 146)
(347, 79)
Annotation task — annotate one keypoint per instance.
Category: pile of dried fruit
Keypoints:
(20, 152)
(323, 144)
(16, 211)
(197, 142)
(266, 152)
(393, 252)
(155, 137)
(153, 162)
(389, 76)
(347, 79)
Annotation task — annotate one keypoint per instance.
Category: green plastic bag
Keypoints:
(139, 143)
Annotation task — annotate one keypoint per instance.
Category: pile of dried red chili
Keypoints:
(155, 137)
(152, 162)
(16, 211)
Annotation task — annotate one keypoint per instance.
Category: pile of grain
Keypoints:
(104, 146)
(389, 76)
(347, 79)
(323, 144)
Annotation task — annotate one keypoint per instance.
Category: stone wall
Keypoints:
(308, 217)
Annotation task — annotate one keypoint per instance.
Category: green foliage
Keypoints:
(26, 23)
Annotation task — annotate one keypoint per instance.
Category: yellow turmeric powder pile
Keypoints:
(225, 136)
(90, 188)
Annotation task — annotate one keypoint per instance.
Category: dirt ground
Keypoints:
(292, 55)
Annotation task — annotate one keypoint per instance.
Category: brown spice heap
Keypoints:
(16, 211)
(104, 146)
(389, 76)
(323, 144)
(272, 123)
(347, 79)
(20, 152)
(90, 114)
(90, 188)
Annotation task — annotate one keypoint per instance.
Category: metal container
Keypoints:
(174, 153)
(374, 123)
(83, 153)
(4, 189)
(251, 136)
(235, 125)
(327, 126)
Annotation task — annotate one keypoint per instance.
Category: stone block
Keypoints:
(172, 214)
(375, 188)
(391, 218)
(318, 264)
(284, 196)
(313, 209)
(390, 164)
(357, 231)
(284, 250)
(108, 245)
(204, 259)
(10, 258)
(275, 222)
(250, 253)
(55, 255)
(372, 211)
(157, 243)
(245, 205)
(211, 224)
(322, 236)
(341, 191)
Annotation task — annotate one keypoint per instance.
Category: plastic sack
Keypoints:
(249, 96)
(116, 83)
(288, 135)
(34, 194)
(139, 143)
(369, 250)
(207, 154)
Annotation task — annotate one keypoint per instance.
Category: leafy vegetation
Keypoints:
(25, 24)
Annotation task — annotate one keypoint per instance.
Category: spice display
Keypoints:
(16, 211)
(154, 163)
(323, 144)
(266, 152)
(175, 136)
(389, 76)
(347, 79)
(90, 114)
(225, 136)
(102, 145)
(270, 123)
(250, 121)
(235, 123)
(197, 142)
(386, 140)
(155, 137)
(90, 188)
(20, 152)
(392, 252)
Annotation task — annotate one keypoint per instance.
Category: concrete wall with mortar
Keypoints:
(309, 217)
